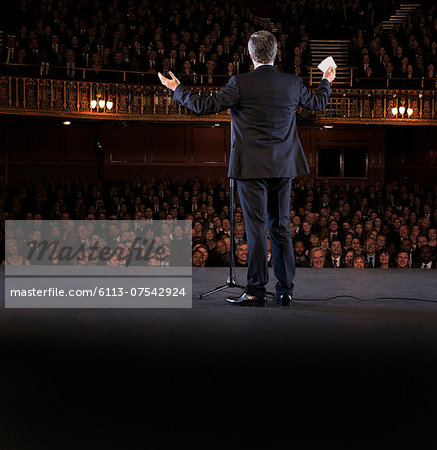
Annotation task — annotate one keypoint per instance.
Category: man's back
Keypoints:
(265, 143)
(265, 140)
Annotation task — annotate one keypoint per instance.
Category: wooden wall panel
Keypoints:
(209, 144)
(307, 140)
(125, 143)
(168, 144)
(43, 142)
(15, 141)
(343, 134)
(79, 142)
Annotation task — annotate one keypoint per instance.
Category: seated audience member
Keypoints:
(219, 256)
(241, 255)
(383, 259)
(202, 248)
(370, 253)
(425, 259)
(72, 70)
(402, 260)
(300, 255)
(432, 240)
(359, 262)
(317, 258)
(13, 258)
(198, 260)
(356, 246)
(333, 258)
(348, 258)
(324, 245)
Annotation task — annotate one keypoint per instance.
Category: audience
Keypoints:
(332, 225)
(210, 38)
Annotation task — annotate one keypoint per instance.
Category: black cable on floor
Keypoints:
(364, 299)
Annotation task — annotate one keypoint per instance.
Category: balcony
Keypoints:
(135, 97)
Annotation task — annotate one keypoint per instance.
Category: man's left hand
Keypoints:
(171, 84)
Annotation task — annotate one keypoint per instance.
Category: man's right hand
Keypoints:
(329, 74)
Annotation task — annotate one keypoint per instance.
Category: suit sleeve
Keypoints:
(209, 104)
(318, 100)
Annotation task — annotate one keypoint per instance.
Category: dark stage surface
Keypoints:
(341, 373)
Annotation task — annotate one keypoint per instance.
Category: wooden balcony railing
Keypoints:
(130, 101)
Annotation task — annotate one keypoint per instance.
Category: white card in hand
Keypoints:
(326, 63)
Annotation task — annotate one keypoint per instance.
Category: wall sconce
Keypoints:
(93, 104)
(409, 111)
(394, 111)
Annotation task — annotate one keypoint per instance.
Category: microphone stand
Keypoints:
(231, 281)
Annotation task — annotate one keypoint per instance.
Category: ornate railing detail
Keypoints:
(66, 98)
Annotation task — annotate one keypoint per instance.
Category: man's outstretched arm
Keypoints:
(227, 97)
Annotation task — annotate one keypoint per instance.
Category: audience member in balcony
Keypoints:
(46, 70)
(106, 58)
(238, 66)
(84, 56)
(153, 64)
(398, 58)
(120, 63)
(297, 67)
(430, 77)
(71, 70)
(34, 53)
(95, 72)
(175, 64)
(389, 71)
(230, 70)
(188, 76)
(431, 54)
(21, 56)
(9, 52)
(365, 70)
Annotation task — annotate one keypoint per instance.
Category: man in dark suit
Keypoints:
(333, 258)
(265, 154)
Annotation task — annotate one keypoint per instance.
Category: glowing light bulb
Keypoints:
(409, 111)
(93, 104)
(101, 103)
(402, 109)
(109, 104)
(394, 111)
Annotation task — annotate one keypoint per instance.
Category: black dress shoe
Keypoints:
(248, 300)
(284, 299)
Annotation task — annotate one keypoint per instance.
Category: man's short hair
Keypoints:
(262, 47)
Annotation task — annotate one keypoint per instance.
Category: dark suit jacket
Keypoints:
(265, 143)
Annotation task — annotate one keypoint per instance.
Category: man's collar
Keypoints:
(265, 67)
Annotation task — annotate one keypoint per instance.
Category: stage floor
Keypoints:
(351, 373)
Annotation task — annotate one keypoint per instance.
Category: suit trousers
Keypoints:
(266, 204)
